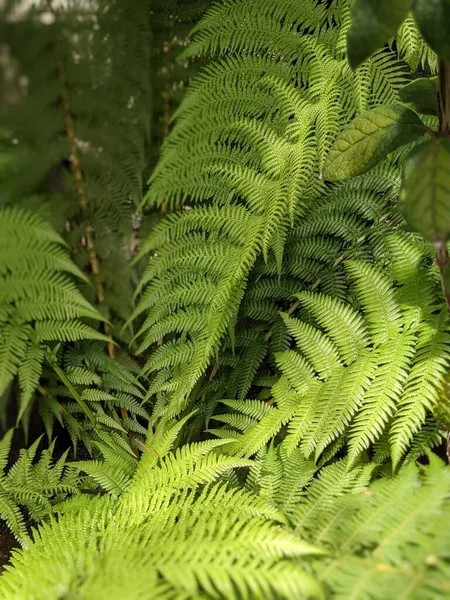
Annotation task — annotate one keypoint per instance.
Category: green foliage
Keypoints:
(432, 17)
(386, 539)
(390, 535)
(426, 210)
(240, 550)
(242, 171)
(421, 95)
(32, 486)
(426, 189)
(359, 374)
(369, 138)
(76, 108)
(40, 303)
(373, 24)
(413, 49)
(85, 377)
(276, 436)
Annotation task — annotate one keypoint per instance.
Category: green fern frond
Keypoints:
(84, 379)
(362, 368)
(32, 485)
(413, 49)
(40, 302)
(388, 539)
(200, 541)
(242, 172)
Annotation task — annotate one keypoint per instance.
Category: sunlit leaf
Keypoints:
(370, 138)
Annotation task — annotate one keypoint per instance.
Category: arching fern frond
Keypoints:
(361, 368)
(390, 538)
(242, 171)
(34, 486)
(202, 539)
(385, 536)
(110, 388)
(39, 301)
(413, 48)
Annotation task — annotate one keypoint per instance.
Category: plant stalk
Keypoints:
(66, 381)
(78, 175)
(441, 245)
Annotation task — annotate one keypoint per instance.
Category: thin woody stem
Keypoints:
(443, 263)
(78, 175)
(442, 256)
(441, 245)
(444, 98)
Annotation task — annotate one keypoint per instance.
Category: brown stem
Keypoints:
(443, 263)
(442, 256)
(78, 175)
(444, 98)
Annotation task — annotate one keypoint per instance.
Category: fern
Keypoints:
(32, 486)
(243, 170)
(413, 48)
(360, 372)
(110, 388)
(388, 539)
(85, 69)
(39, 301)
(384, 538)
(277, 436)
(243, 552)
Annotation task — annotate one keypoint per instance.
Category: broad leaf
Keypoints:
(421, 94)
(433, 19)
(369, 138)
(425, 194)
(374, 22)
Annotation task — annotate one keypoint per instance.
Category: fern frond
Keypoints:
(36, 294)
(362, 368)
(199, 541)
(242, 172)
(388, 539)
(33, 485)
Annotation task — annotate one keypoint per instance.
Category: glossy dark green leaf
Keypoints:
(433, 20)
(369, 138)
(421, 94)
(425, 194)
(374, 22)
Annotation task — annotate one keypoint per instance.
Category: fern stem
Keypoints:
(78, 175)
(41, 389)
(66, 381)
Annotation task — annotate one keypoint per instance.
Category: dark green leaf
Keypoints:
(422, 95)
(369, 139)
(433, 20)
(425, 194)
(374, 22)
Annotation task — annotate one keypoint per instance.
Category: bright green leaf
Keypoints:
(374, 22)
(369, 138)
(425, 194)
(421, 94)
(433, 20)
